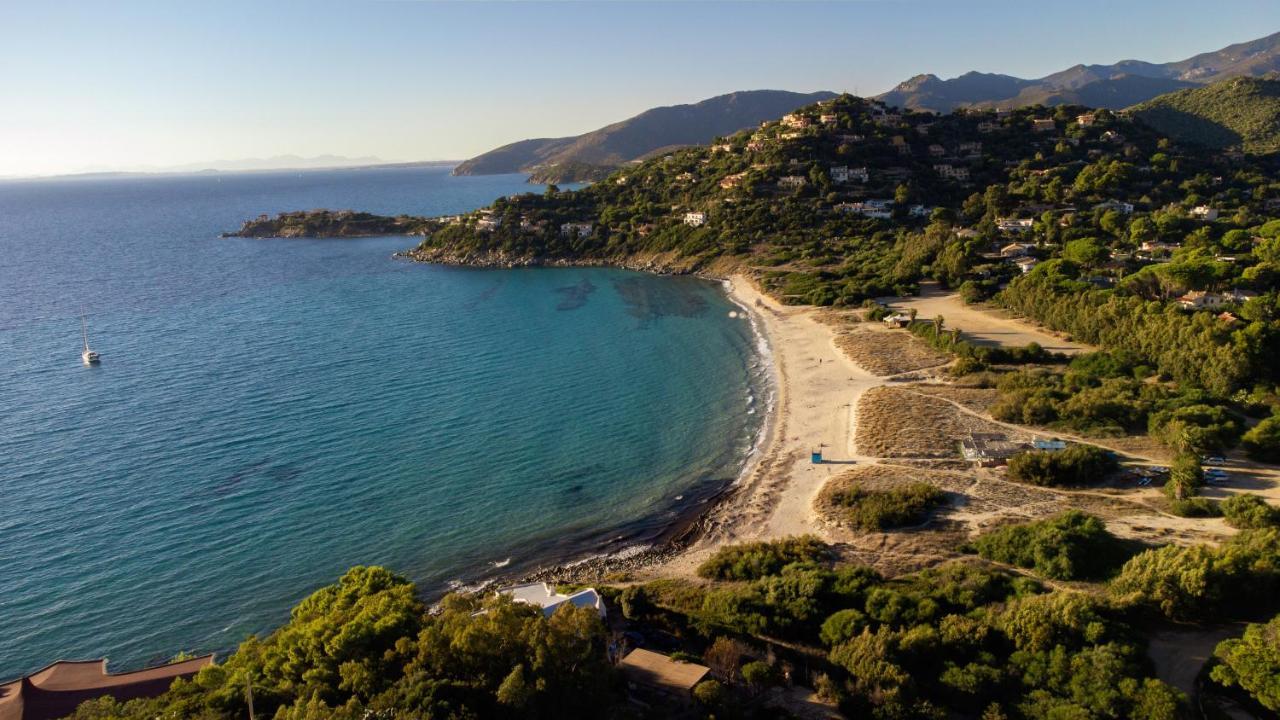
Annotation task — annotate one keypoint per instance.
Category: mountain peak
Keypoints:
(1121, 84)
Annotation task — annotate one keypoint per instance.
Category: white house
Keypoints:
(1043, 125)
(1123, 208)
(793, 181)
(1026, 264)
(1204, 212)
(549, 600)
(795, 120)
(952, 172)
(898, 320)
(1200, 300)
(576, 229)
(1013, 250)
(1019, 225)
(827, 118)
(839, 173)
(878, 209)
(1086, 119)
(971, 148)
(695, 219)
(860, 174)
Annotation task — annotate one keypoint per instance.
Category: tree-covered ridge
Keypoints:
(1243, 113)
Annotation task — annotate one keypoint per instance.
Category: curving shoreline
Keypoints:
(815, 389)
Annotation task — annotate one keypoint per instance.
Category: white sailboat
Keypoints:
(89, 357)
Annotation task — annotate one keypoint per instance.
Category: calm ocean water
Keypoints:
(271, 412)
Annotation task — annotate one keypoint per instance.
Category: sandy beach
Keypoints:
(821, 394)
(818, 389)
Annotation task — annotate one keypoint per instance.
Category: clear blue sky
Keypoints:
(95, 85)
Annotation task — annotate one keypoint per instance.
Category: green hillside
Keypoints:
(1243, 113)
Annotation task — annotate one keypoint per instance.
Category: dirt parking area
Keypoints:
(982, 325)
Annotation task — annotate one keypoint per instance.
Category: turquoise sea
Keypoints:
(271, 412)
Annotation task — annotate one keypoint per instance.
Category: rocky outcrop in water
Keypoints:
(331, 224)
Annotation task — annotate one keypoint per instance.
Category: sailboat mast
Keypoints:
(85, 332)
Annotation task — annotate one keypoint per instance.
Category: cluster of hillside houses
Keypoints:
(1016, 245)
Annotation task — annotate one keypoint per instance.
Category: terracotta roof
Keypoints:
(56, 690)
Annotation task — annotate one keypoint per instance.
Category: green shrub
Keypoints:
(1201, 582)
(884, 509)
(759, 674)
(843, 625)
(1195, 429)
(1249, 511)
(750, 561)
(710, 693)
(1069, 546)
(1262, 442)
(967, 366)
(1195, 507)
(1076, 465)
(1252, 662)
(1186, 477)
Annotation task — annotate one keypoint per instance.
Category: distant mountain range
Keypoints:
(594, 154)
(1125, 83)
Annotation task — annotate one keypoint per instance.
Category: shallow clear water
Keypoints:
(271, 412)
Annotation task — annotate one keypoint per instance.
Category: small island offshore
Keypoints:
(1023, 461)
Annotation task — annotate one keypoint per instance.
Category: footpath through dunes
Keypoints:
(879, 406)
(980, 325)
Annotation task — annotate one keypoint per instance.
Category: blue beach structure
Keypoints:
(816, 457)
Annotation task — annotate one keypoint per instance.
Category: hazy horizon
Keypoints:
(141, 85)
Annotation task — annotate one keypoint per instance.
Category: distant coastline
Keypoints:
(111, 174)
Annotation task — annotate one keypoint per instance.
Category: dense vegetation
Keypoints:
(1076, 465)
(1241, 113)
(959, 640)
(870, 509)
(1249, 512)
(1070, 546)
(366, 647)
(1252, 662)
(1205, 583)
(751, 561)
